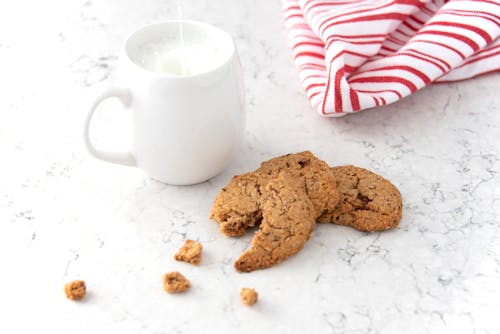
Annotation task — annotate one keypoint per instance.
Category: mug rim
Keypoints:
(204, 25)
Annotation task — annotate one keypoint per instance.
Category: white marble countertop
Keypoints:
(65, 215)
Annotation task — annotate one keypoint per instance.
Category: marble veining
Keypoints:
(64, 215)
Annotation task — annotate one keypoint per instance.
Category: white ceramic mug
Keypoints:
(185, 128)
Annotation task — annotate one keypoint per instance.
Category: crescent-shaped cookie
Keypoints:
(288, 220)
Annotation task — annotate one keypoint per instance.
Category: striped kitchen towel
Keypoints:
(358, 54)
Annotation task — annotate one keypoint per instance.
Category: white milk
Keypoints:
(168, 56)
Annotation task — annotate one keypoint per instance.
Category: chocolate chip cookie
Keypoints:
(368, 202)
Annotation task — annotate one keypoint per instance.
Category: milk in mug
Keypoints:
(169, 56)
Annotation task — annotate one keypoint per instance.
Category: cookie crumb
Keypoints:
(75, 290)
(175, 282)
(249, 296)
(190, 252)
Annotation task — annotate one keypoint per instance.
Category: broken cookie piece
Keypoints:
(368, 202)
(75, 290)
(288, 220)
(190, 252)
(249, 296)
(175, 282)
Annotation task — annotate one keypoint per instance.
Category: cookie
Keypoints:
(288, 220)
(190, 252)
(249, 296)
(75, 290)
(368, 202)
(175, 282)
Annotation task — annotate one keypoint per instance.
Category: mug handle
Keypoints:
(124, 158)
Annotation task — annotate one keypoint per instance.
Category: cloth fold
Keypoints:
(358, 54)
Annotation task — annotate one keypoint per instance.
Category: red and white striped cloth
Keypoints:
(358, 54)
